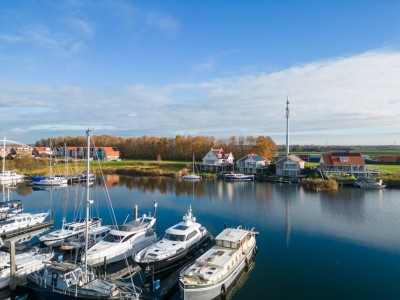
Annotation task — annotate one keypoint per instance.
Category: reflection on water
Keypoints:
(342, 242)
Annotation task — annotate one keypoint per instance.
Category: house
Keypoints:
(290, 165)
(38, 151)
(345, 163)
(388, 159)
(14, 151)
(252, 163)
(217, 160)
(99, 153)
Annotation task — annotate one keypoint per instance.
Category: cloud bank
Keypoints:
(345, 100)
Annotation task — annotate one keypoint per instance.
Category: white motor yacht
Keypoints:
(122, 241)
(25, 263)
(68, 231)
(16, 221)
(180, 243)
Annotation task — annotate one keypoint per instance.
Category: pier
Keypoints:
(25, 230)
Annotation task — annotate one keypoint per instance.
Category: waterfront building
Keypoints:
(252, 164)
(345, 163)
(100, 153)
(217, 160)
(291, 166)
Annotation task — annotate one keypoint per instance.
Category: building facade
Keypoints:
(217, 160)
(289, 166)
(252, 164)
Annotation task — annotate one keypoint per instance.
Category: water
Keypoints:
(341, 244)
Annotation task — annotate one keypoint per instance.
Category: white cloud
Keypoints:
(163, 22)
(349, 100)
(82, 27)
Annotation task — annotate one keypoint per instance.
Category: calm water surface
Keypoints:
(329, 245)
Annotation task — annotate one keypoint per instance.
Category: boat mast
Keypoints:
(193, 164)
(88, 201)
(4, 154)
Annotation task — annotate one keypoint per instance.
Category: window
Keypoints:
(191, 235)
(343, 159)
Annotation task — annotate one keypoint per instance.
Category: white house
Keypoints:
(252, 163)
(290, 165)
(217, 160)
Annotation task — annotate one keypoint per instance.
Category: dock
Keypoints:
(25, 230)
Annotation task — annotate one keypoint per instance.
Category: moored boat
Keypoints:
(213, 273)
(78, 243)
(369, 183)
(180, 243)
(68, 231)
(238, 177)
(122, 241)
(193, 175)
(71, 281)
(25, 263)
(15, 221)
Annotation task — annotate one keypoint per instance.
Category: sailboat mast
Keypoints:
(4, 155)
(88, 202)
(193, 164)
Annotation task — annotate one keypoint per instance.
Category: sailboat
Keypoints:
(193, 175)
(7, 176)
(51, 180)
(71, 281)
(7, 203)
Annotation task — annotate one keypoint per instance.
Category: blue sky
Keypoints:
(221, 68)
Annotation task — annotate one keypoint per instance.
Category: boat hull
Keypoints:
(221, 287)
(161, 268)
(58, 294)
(99, 260)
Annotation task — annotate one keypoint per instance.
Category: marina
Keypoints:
(301, 234)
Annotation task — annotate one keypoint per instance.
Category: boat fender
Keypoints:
(255, 250)
(223, 290)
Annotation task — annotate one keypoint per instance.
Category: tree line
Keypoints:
(171, 148)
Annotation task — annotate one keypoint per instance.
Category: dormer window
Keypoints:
(343, 159)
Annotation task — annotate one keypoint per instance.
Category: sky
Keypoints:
(213, 68)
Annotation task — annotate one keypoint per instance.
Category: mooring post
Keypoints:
(13, 266)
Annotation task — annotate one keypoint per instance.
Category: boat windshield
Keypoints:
(174, 237)
(112, 238)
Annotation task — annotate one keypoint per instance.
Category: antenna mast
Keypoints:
(287, 126)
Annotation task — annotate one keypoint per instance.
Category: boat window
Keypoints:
(191, 235)
(128, 237)
(218, 243)
(181, 227)
(112, 238)
(174, 237)
(227, 244)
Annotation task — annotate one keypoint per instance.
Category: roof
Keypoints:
(232, 234)
(219, 153)
(255, 157)
(342, 159)
(292, 158)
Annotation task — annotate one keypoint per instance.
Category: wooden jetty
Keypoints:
(25, 230)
